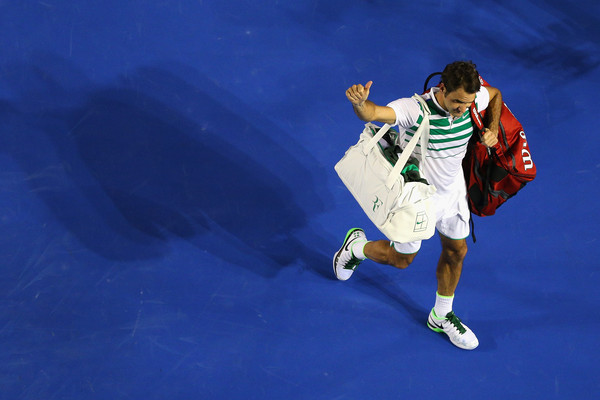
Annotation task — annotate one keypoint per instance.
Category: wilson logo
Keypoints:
(525, 154)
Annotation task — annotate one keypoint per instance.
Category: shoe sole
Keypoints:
(335, 257)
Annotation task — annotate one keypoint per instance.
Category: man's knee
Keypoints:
(454, 250)
(400, 260)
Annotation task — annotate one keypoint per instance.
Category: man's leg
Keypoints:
(357, 248)
(442, 318)
(383, 253)
(450, 264)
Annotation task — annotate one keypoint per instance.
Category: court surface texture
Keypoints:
(169, 207)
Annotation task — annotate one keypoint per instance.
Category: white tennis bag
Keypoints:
(403, 211)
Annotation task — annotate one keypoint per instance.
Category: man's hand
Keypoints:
(365, 109)
(489, 138)
(358, 94)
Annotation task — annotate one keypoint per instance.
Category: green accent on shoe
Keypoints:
(350, 232)
(433, 328)
(353, 263)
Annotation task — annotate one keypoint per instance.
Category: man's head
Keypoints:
(461, 74)
(460, 82)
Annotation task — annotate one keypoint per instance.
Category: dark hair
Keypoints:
(461, 74)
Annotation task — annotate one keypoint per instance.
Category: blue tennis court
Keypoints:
(169, 207)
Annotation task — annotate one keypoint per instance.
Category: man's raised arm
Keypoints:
(365, 109)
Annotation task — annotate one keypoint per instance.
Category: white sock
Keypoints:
(358, 250)
(443, 305)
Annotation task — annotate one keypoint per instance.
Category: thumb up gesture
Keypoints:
(358, 94)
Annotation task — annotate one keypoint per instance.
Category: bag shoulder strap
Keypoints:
(478, 122)
(476, 117)
(373, 141)
(422, 130)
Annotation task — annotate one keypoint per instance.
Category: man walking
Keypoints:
(450, 131)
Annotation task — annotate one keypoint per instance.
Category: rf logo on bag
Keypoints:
(377, 203)
(421, 222)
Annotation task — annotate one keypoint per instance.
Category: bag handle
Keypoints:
(410, 147)
(373, 141)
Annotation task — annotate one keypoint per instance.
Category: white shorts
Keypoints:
(452, 218)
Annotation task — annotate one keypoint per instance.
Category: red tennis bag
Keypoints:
(495, 175)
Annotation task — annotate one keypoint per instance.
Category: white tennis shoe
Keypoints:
(344, 261)
(460, 335)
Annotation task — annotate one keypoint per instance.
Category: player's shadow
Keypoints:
(127, 166)
(391, 293)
